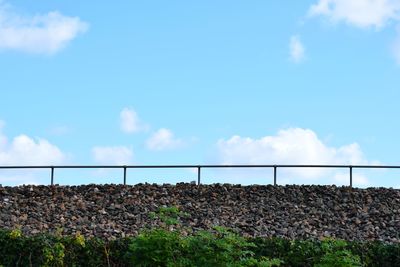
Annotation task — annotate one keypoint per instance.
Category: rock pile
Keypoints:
(294, 211)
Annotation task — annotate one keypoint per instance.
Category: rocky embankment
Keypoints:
(288, 211)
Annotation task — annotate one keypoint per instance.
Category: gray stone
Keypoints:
(111, 211)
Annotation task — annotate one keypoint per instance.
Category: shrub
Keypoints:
(165, 247)
(336, 254)
(171, 245)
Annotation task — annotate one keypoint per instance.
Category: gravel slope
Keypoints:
(289, 211)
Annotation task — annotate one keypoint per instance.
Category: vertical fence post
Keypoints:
(275, 175)
(351, 176)
(198, 175)
(124, 175)
(52, 176)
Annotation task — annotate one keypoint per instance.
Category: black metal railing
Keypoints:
(199, 168)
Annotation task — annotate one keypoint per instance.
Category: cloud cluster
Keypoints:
(288, 146)
(24, 150)
(163, 139)
(296, 48)
(130, 122)
(291, 146)
(362, 14)
(38, 34)
(359, 13)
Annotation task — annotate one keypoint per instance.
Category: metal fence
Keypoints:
(200, 167)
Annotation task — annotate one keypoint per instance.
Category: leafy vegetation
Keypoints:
(165, 247)
(171, 244)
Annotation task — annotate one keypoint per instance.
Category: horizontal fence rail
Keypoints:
(200, 167)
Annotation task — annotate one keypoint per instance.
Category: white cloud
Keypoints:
(38, 34)
(297, 49)
(24, 150)
(360, 13)
(130, 122)
(293, 145)
(290, 146)
(117, 155)
(163, 139)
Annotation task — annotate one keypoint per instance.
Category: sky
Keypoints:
(200, 82)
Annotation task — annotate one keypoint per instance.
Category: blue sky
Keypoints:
(178, 82)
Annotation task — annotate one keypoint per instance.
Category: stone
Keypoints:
(293, 211)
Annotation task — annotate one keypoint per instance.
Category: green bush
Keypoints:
(164, 247)
(174, 245)
(156, 247)
(160, 247)
(55, 250)
(329, 252)
(336, 254)
(378, 253)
